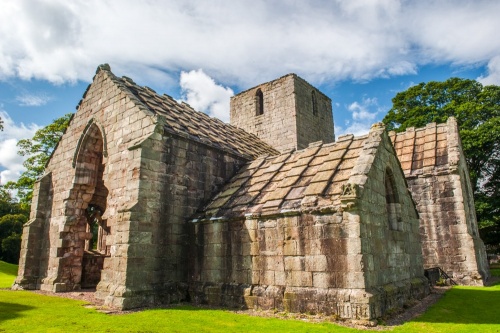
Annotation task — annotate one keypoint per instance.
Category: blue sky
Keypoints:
(358, 52)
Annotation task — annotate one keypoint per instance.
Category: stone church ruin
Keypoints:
(151, 202)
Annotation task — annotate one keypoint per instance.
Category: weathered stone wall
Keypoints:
(351, 260)
(437, 175)
(314, 115)
(94, 146)
(176, 178)
(301, 263)
(35, 245)
(392, 253)
(120, 157)
(289, 119)
(450, 239)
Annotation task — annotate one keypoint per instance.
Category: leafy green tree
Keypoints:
(11, 248)
(10, 206)
(38, 151)
(477, 110)
(11, 229)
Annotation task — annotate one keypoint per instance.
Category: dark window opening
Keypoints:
(393, 206)
(259, 101)
(314, 103)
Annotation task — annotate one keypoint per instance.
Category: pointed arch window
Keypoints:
(259, 103)
(314, 103)
(393, 206)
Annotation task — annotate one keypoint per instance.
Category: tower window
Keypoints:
(392, 200)
(259, 103)
(314, 103)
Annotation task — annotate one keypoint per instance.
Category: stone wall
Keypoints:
(437, 176)
(122, 158)
(290, 119)
(392, 261)
(450, 239)
(351, 260)
(92, 154)
(177, 176)
(314, 115)
(303, 263)
(35, 248)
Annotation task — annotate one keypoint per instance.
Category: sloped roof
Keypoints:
(427, 149)
(314, 178)
(181, 119)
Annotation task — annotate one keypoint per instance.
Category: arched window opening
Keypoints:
(314, 103)
(90, 195)
(392, 200)
(96, 226)
(259, 102)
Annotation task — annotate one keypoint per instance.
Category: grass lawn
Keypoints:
(462, 309)
(8, 274)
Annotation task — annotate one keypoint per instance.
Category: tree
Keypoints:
(1, 124)
(38, 150)
(477, 110)
(11, 248)
(11, 229)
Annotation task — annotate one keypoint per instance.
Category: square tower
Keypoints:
(287, 113)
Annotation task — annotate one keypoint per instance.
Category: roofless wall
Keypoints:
(437, 176)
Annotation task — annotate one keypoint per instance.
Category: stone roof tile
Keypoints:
(305, 179)
(428, 148)
(183, 120)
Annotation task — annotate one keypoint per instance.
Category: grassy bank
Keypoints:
(462, 309)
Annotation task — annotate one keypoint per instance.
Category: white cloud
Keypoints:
(33, 99)
(493, 76)
(11, 164)
(243, 42)
(363, 115)
(203, 94)
(360, 111)
(356, 128)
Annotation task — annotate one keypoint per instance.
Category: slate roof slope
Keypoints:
(431, 148)
(181, 119)
(310, 179)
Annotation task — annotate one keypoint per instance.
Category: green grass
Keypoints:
(462, 309)
(495, 269)
(8, 274)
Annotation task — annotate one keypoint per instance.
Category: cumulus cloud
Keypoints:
(11, 164)
(493, 76)
(363, 114)
(360, 111)
(201, 92)
(33, 99)
(243, 42)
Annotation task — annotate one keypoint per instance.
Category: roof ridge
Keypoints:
(183, 120)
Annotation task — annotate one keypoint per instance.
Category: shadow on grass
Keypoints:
(12, 310)
(463, 305)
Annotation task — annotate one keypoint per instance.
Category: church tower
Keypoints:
(287, 113)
